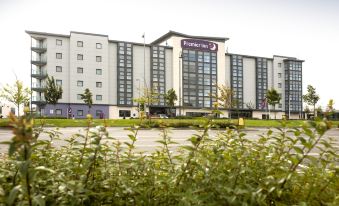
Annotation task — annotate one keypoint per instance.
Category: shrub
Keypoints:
(95, 169)
(49, 117)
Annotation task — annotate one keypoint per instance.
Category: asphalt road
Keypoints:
(146, 138)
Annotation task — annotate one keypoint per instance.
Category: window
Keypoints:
(98, 58)
(78, 96)
(279, 85)
(80, 44)
(80, 83)
(98, 113)
(58, 82)
(279, 75)
(280, 106)
(80, 112)
(99, 71)
(124, 113)
(58, 55)
(98, 97)
(80, 70)
(279, 65)
(58, 112)
(58, 69)
(99, 46)
(59, 42)
(80, 57)
(99, 84)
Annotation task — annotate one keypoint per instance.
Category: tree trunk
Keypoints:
(275, 112)
(18, 110)
(315, 113)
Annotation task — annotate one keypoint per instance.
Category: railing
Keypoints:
(39, 45)
(39, 59)
(38, 85)
(39, 72)
(38, 99)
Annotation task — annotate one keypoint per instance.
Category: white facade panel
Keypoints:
(89, 64)
(169, 69)
(249, 87)
(53, 62)
(227, 81)
(141, 78)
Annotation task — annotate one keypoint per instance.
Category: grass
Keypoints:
(130, 122)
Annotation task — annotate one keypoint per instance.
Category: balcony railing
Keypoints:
(38, 99)
(39, 74)
(39, 48)
(38, 86)
(39, 61)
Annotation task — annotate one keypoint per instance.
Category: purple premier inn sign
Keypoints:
(200, 45)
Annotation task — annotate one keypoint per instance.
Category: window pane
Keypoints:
(80, 44)
(59, 42)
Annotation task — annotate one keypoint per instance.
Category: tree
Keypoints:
(311, 98)
(87, 97)
(329, 108)
(273, 98)
(52, 92)
(16, 94)
(149, 97)
(170, 98)
(224, 98)
(250, 105)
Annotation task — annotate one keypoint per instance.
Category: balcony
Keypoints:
(38, 100)
(39, 48)
(39, 87)
(39, 61)
(39, 73)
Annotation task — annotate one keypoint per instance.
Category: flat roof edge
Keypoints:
(46, 34)
(174, 33)
(249, 56)
(91, 34)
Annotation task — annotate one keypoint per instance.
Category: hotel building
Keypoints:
(117, 71)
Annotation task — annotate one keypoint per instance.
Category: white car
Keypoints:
(163, 116)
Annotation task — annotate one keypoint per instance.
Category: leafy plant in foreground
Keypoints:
(91, 168)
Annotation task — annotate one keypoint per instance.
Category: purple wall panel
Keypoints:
(75, 108)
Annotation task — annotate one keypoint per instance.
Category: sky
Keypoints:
(306, 29)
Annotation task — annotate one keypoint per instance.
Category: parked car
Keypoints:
(163, 116)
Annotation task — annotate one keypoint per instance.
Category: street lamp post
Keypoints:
(138, 80)
(143, 36)
(180, 100)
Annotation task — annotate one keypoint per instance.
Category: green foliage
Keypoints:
(229, 169)
(224, 98)
(87, 98)
(273, 98)
(16, 94)
(149, 97)
(170, 98)
(52, 92)
(311, 98)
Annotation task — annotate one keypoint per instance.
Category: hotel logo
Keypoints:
(200, 45)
